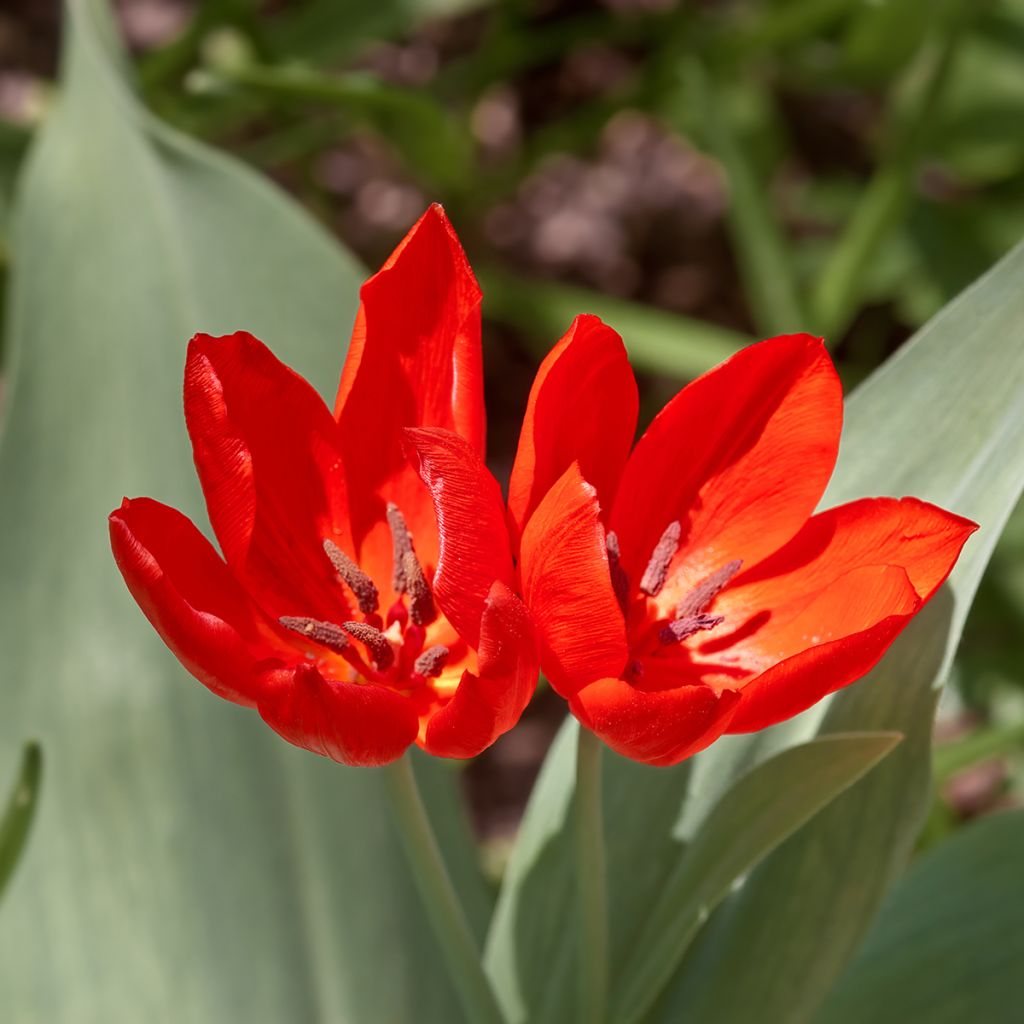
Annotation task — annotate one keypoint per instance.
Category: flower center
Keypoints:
(388, 651)
(690, 615)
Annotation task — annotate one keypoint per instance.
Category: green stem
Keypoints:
(439, 897)
(593, 977)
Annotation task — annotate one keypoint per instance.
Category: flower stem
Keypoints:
(593, 948)
(439, 897)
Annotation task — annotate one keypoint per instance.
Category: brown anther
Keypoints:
(707, 590)
(680, 629)
(620, 581)
(431, 661)
(326, 634)
(358, 582)
(401, 545)
(375, 642)
(665, 550)
(421, 601)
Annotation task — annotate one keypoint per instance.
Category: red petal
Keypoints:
(362, 725)
(819, 613)
(489, 703)
(660, 728)
(474, 544)
(267, 452)
(567, 587)
(582, 408)
(190, 597)
(414, 361)
(740, 457)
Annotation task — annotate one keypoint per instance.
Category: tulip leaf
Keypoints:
(942, 420)
(760, 810)
(188, 864)
(948, 944)
(21, 809)
(530, 957)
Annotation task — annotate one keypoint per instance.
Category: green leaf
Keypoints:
(662, 883)
(189, 864)
(942, 420)
(21, 809)
(760, 810)
(948, 945)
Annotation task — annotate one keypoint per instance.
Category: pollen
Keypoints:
(358, 582)
(665, 550)
(326, 634)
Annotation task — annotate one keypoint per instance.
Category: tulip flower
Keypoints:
(685, 587)
(341, 610)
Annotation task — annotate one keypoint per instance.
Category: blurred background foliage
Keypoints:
(698, 172)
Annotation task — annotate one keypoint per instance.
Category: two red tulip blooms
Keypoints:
(375, 591)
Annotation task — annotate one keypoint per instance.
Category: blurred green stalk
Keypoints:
(592, 882)
(439, 896)
(762, 250)
(657, 341)
(838, 288)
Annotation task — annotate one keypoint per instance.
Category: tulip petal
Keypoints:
(267, 452)
(567, 587)
(353, 724)
(582, 408)
(474, 546)
(662, 727)
(489, 703)
(414, 361)
(190, 597)
(740, 457)
(819, 613)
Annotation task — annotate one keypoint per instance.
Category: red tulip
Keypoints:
(684, 588)
(341, 610)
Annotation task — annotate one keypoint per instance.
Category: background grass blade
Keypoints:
(21, 809)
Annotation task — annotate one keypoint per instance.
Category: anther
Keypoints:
(707, 590)
(680, 629)
(374, 640)
(431, 661)
(620, 581)
(421, 601)
(401, 545)
(665, 550)
(358, 582)
(326, 634)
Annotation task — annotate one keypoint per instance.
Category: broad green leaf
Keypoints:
(188, 865)
(662, 888)
(943, 420)
(760, 810)
(21, 809)
(948, 944)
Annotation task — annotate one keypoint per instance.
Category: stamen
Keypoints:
(421, 601)
(704, 593)
(401, 545)
(665, 550)
(358, 582)
(680, 629)
(620, 581)
(326, 634)
(432, 661)
(376, 643)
